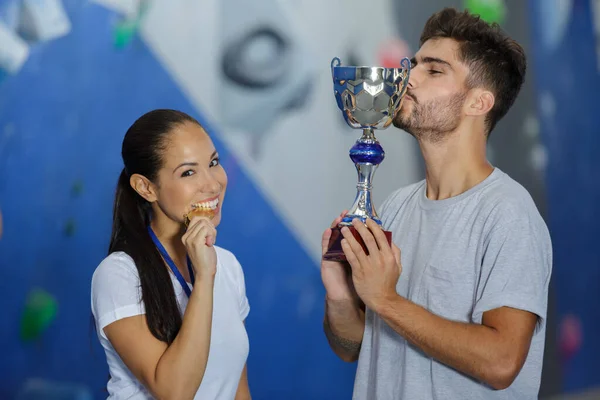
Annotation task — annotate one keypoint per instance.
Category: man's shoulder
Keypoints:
(403, 194)
(508, 198)
(397, 201)
(507, 206)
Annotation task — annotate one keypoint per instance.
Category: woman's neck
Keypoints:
(169, 233)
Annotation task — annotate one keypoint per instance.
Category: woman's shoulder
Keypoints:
(228, 261)
(115, 264)
(115, 291)
(224, 255)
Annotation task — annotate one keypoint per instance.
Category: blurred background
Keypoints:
(74, 75)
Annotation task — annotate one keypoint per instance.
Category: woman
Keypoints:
(169, 305)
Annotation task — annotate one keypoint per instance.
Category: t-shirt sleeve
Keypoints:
(516, 268)
(116, 291)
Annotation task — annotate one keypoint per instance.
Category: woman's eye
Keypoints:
(189, 172)
(215, 162)
(434, 72)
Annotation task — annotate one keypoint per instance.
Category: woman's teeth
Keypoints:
(209, 205)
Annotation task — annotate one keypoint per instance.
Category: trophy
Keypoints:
(369, 98)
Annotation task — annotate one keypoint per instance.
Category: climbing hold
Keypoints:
(40, 311)
(489, 10)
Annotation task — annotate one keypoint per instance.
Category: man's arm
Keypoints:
(344, 325)
(493, 352)
(344, 321)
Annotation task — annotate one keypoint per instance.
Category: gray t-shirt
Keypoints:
(483, 249)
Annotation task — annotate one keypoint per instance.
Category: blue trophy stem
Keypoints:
(366, 154)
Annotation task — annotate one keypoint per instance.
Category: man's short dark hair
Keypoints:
(496, 62)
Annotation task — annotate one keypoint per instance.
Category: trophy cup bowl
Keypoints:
(369, 98)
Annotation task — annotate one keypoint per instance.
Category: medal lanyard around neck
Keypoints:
(172, 265)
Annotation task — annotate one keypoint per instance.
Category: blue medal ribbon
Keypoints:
(172, 265)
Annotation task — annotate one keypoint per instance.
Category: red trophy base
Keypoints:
(334, 249)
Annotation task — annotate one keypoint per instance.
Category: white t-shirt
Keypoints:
(116, 294)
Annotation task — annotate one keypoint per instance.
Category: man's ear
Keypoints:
(479, 102)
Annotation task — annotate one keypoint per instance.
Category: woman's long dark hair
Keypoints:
(142, 151)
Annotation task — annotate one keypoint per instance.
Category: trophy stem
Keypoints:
(368, 135)
(367, 154)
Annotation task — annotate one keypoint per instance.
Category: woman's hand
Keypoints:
(199, 240)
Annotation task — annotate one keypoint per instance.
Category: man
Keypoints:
(456, 308)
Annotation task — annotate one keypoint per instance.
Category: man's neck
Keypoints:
(455, 164)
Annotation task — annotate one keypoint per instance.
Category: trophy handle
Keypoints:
(335, 63)
(405, 63)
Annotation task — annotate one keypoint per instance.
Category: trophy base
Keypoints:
(334, 249)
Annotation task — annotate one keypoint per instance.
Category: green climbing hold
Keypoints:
(77, 189)
(70, 227)
(489, 10)
(40, 311)
(127, 28)
(124, 32)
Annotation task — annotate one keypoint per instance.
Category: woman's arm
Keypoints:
(243, 391)
(175, 371)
